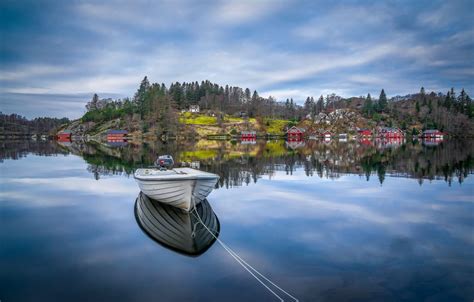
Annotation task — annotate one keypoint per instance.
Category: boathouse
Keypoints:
(116, 135)
(249, 135)
(295, 133)
(387, 132)
(64, 135)
(365, 132)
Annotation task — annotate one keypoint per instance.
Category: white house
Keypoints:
(194, 108)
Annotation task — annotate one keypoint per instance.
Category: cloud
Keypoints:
(242, 11)
(109, 186)
(275, 47)
(32, 71)
(33, 102)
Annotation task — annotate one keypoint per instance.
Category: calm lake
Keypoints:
(326, 221)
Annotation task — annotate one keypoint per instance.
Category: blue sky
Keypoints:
(55, 54)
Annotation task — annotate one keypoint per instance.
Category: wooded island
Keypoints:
(206, 109)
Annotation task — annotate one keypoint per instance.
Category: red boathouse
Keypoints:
(365, 133)
(64, 135)
(294, 133)
(248, 135)
(387, 132)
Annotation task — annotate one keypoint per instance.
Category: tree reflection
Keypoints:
(239, 164)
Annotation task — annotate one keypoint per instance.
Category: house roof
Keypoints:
(65, 132)
(117, 132)
(296, 128)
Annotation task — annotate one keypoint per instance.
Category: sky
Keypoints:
(55, 54)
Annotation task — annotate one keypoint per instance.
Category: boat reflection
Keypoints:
(176, 229)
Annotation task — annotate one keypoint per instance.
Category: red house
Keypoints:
(116, 135)
(386, 132)
(294, 133)
(64, 135)
(365, 133)
(248, 135)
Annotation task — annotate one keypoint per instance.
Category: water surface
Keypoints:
(359, 221)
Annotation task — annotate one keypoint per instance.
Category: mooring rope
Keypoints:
(242, 262)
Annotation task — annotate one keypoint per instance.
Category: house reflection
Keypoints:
(239, 164)
(117, 143)
(432, 141)
(295, 144)
(175, 229)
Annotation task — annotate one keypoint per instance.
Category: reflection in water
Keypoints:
(117, 143)
(176, 229)
(322, 240)
(239, 164)
(16, 149)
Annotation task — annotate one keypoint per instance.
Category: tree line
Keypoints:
(15, 124)
(157, 105)
(153, 97)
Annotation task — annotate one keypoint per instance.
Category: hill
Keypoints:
(157, 111)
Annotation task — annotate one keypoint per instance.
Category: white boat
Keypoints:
(183, 188)
(178, 230)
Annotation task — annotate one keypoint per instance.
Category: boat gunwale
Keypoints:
(186, 177)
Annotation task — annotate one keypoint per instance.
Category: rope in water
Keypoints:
(242, 262)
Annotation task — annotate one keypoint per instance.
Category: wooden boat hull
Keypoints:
(176, 229)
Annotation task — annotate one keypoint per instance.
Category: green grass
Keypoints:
(189, 118)
(231, 119)
(275, 126)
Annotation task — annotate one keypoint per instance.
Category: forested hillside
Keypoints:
(17, 125)
(158, 108)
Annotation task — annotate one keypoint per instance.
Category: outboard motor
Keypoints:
(164, 162)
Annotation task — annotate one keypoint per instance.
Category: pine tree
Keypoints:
(307, 105)
(92, 105)
(140, 99)
(292, 108)
(368, 106)
(320, 104)
(313, 108)
(247, 94)
(462, 102)
(423, 95)
(422, 90)
(469, 107)
(448, 100)
(382, 101)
